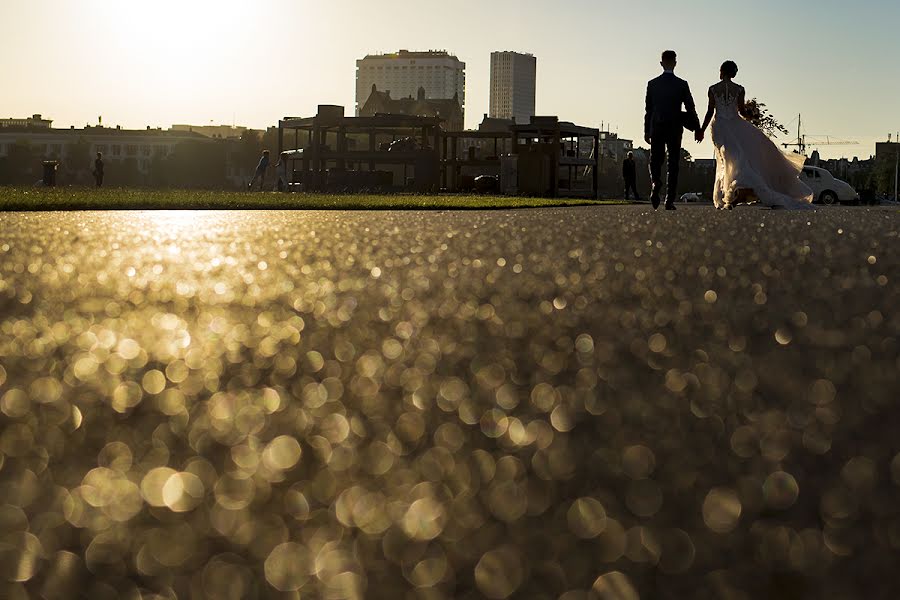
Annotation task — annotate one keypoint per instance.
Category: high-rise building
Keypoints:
(403, 73)
(513, 85)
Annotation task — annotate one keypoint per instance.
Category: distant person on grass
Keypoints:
(98, 169)
(629, 173)
(282, 178)
(261, 169)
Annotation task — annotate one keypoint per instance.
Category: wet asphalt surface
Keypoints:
(562, 403)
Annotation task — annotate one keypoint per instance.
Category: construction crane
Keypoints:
(803, 141)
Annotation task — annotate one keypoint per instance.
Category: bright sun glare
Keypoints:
(175, 36)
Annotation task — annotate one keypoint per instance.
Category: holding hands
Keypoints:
(699, 135)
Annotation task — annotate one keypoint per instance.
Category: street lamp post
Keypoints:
(896, 165)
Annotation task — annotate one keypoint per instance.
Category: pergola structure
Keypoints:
(453, 162)
(361, 152)
(575, 166)
(546, 157)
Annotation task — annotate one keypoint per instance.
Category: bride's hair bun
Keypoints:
(729, 68)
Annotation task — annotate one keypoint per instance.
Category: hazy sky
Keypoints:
(159, 62)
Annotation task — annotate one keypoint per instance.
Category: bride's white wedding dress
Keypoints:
(746, 159)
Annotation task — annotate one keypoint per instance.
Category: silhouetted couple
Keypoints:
(749, 166)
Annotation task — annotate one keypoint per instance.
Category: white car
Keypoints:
(826, 189)
(692, 197)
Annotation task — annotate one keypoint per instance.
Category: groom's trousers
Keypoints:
(661, 144)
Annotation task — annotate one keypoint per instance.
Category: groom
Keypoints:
(663, 124)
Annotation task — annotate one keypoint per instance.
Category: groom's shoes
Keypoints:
(670, 206)
(654, 199)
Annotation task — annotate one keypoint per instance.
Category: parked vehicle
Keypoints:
(692, 197)
(827, 189)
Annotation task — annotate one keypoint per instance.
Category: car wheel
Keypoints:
(828, 198)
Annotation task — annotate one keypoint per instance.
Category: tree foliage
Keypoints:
(756, 113)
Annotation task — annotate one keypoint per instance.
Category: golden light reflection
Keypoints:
(231, 406)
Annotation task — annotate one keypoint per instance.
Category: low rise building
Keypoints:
(887, 167)
(613, 148)
(116, 144)
(132, 157)
(32, 122)
(886, 151)
(219, 132)
(489, 123)
(448, 110)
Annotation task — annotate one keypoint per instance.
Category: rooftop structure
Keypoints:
(34, 121)
(223, 132)
(448, 110)
(495, 124)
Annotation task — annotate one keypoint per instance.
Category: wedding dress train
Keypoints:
(746, 159)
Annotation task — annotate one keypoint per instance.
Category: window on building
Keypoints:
(116, 150)
(131, 150)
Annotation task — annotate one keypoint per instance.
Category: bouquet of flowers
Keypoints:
(751, 112)
(756, 113)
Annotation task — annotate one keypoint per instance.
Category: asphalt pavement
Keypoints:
(602, 402)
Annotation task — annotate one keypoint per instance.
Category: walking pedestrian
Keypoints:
(261, 169)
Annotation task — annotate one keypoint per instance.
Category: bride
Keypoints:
(749, 166)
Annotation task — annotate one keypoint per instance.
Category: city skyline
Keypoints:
(221, 62)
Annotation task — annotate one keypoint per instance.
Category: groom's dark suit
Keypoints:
(663, 124)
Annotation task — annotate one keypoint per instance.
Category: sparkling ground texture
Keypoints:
(602, 403)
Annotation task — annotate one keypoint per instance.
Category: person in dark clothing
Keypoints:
(663, 125)
(98, 169)
(261, 169)
(629, 174)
